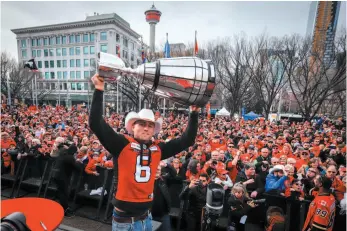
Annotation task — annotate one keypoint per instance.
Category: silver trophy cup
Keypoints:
(185, 80)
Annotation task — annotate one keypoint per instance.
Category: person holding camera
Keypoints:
(275, 180)
(240, 205)
(195, 193)
(65, 164)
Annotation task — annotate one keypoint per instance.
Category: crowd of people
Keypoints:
(294, 160)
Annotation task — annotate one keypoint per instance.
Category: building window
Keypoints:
(86, 86)
(72, 63)
(23, 43)
(73, 86)
(52, 86)
(78, 50)
(103, 36)
(79, 86)
(39, 64)
(86, 74)
(85, 50)
(132, 57)
(52, 75)
(51, 40)
(45, 52)
(38, 41)
(58, 40)
(71, 38)
(92, 37)
(125, 54)
(85, 38)
(45, 41)
(92, 62)
(64, 63)
(78, 38)
(92, 50)
(63, 40)
(64, 51)
(103, 48)
(78, 63)
(72, 75)
(38, 53)
(117, 38)
(24, 54)
(58, 63)
(46, 75)
(51, 64)
(46, 64)
(51, 52)
(78, 75)
(58, 51)
(59, 74)
(125, 42)
(33, 53)
(86, 63)
(65, 75)
(33, 42)
(72, 51)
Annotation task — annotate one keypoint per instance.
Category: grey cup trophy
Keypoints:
(184, 80)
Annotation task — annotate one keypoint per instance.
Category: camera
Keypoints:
(260, 201)
(66, 143)
(14, 222)
(214, 199)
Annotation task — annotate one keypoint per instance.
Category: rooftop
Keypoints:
(96, 19)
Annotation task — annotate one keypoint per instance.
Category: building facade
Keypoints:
(66, 54)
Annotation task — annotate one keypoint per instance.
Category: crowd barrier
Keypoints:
(43, 186)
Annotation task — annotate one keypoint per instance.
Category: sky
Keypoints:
(212, 20)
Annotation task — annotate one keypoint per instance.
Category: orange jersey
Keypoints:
(138, 186)
(321, 213)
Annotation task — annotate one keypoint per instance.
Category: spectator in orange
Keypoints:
(93, 162)
(338, 185)
(193, 169)
(304, 158)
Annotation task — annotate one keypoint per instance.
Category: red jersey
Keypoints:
(321, 213)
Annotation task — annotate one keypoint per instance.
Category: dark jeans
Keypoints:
(193, 222)
(62, 192)
(165, 222)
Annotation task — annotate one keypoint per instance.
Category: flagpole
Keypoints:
(195, 44)
(140, 98)
(164, 107)
(36, 91)
(8, 89)
(58, 91)
(32, 90)
(117, 97)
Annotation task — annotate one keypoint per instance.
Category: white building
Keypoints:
(66, 53)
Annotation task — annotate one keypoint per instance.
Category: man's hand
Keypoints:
(194, 108)
(254, 194)
(192, 184)
(225, 187)
(98, 82)
(96, 174)
(250, 181)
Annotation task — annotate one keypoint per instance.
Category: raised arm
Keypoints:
(112, 141)
(187, 139)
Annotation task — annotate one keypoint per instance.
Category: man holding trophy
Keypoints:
(136, 157)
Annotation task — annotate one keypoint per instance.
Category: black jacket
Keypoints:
(257, 185)
(238, 209)
(161, 200)
(196, 197)
(65, 164)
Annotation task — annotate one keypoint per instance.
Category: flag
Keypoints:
(208, 110)
(196, 48)
(167, 48)
(31, 65)
(118, 51)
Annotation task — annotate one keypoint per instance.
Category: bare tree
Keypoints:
(268, 76)
(20, 79)
(233, 62)
(312, 79)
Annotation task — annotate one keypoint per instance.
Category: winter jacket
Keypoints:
(275, 183)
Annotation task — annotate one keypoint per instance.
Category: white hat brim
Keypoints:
(132, 117)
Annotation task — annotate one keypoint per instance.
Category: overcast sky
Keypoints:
(179, 19)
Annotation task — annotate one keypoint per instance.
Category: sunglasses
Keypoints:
(331, 172)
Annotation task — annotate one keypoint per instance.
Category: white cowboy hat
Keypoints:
(144, 114)
(277, 168)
